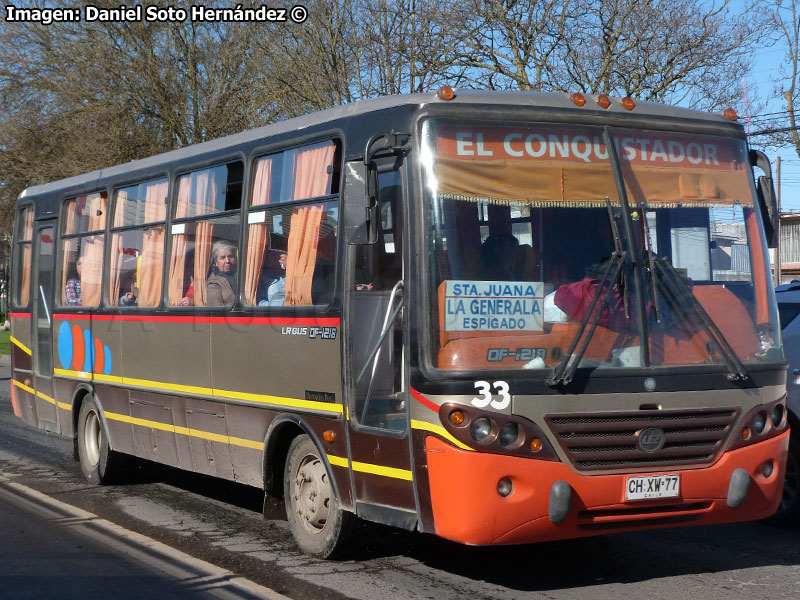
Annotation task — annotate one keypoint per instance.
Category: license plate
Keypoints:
(654, 486)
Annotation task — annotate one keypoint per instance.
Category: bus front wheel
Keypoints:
(319, 525)
(100, 464)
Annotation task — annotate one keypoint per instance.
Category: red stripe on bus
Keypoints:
(14, 315)
(423, 400)
(243, 320)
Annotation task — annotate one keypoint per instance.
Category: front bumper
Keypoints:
(467, 507)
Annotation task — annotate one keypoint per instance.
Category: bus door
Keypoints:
(42, 325)
(377, 404)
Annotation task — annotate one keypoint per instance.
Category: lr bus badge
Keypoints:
(651, 440)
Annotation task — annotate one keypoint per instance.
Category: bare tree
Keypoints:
(510, 44)
(676, 51)
(783, 127)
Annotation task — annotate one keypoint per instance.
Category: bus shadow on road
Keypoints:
(587, 562)
(604, 560)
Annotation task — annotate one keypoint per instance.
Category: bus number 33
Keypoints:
(484, 388)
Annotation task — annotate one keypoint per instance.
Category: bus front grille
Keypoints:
(608, 441)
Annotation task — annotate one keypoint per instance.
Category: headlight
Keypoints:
(480, 429)
(508, 434)
(759, 422)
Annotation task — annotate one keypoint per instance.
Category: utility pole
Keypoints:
(778, 247)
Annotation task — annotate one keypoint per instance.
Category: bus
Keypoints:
(496, 317)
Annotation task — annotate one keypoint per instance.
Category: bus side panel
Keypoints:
(23, 400)
(21, 344)
(386, 482)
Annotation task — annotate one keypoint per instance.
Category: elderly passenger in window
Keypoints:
(222, 280)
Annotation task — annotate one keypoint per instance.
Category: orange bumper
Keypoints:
(468, 509)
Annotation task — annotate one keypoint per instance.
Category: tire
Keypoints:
(319, 525)
(789, 510)
(100, 464)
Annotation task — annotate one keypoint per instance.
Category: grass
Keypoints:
(5, 342)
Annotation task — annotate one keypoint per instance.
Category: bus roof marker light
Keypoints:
(731, 114)
(446, 93)
(627, 103)
(603, 101)
(578, 99)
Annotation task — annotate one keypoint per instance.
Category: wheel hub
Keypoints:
(311, 492)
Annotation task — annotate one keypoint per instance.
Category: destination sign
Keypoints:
(493, 306)
(587, 146)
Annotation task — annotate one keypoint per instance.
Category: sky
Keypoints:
(762, 87)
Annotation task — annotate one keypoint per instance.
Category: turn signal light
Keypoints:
(747, 433)
(730, 114)
(446, 93)
(457, 417)
(627, 103)
(603, 101)
(536, 445)
(578, 99)
(329, 436)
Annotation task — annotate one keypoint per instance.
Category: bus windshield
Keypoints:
(532, 249)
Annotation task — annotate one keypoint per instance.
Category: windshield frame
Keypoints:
(503, 115)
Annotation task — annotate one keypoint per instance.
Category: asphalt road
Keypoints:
(221, 523)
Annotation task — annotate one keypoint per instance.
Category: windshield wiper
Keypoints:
(699, 316)
(565, 370)
(650, 261)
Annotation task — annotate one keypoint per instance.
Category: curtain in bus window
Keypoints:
(311, 171)
(148, 272)
(26, 250)
(96, 208)
(177, 265)
(155, 201)
(116, 249)
(116, 268)
(202, 260)
(25, 279)
(91, 270)
(261, 184)
(205, 195)
(257, 232)
(303, 237)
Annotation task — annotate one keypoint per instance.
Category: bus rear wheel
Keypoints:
(319, 525)
(100, 464)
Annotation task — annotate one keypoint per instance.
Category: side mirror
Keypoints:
(767, 199)
(360, 210)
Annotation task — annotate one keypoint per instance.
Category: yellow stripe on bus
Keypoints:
(20, 345)
(204, 391)
(439, 430)
(205, 435)
(361, 467)
(44, 397)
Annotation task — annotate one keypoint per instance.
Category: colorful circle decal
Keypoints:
(78, 351)
(65, 345)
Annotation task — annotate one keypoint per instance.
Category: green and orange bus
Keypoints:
(500, 318)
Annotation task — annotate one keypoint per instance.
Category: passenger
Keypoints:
(72, 289)
(498, 257)
(222, 280)
(131, 297)
(272, 292)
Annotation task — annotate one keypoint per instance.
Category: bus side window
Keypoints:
(22, 272)
(204, 265)
(137, 244)
(291, 250)
(82, 243)
(378, 267)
